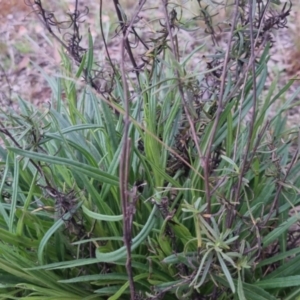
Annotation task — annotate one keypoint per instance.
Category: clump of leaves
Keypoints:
(182, 189)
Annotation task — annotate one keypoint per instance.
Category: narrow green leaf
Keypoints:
(136, 241)
(280, 256)
(226, 272)
(83, 168)
(251, 291)
(231, 162)
(96, 277)
(230, 135)
(90, 54)
(15, 190)
(240, 290)
(47, 236)
(20, 224)
(101, 217)
(61, 221)
(123, 288)
(290, 268)
(4, 176)
(280, 282)
(190, 55)
(274, 234)
(294, 294)
(81, 67)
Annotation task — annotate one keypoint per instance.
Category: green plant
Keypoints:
(169, 194)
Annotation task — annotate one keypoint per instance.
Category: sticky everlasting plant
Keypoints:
(157, 177)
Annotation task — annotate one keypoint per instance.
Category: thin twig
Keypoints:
(245, 75)
(125, 31)
(103, 38)
(279, 188)
(219, 109)
(252, 122)
(180, 88)
(125, 156)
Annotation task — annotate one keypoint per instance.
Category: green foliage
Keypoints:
(222, 231)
